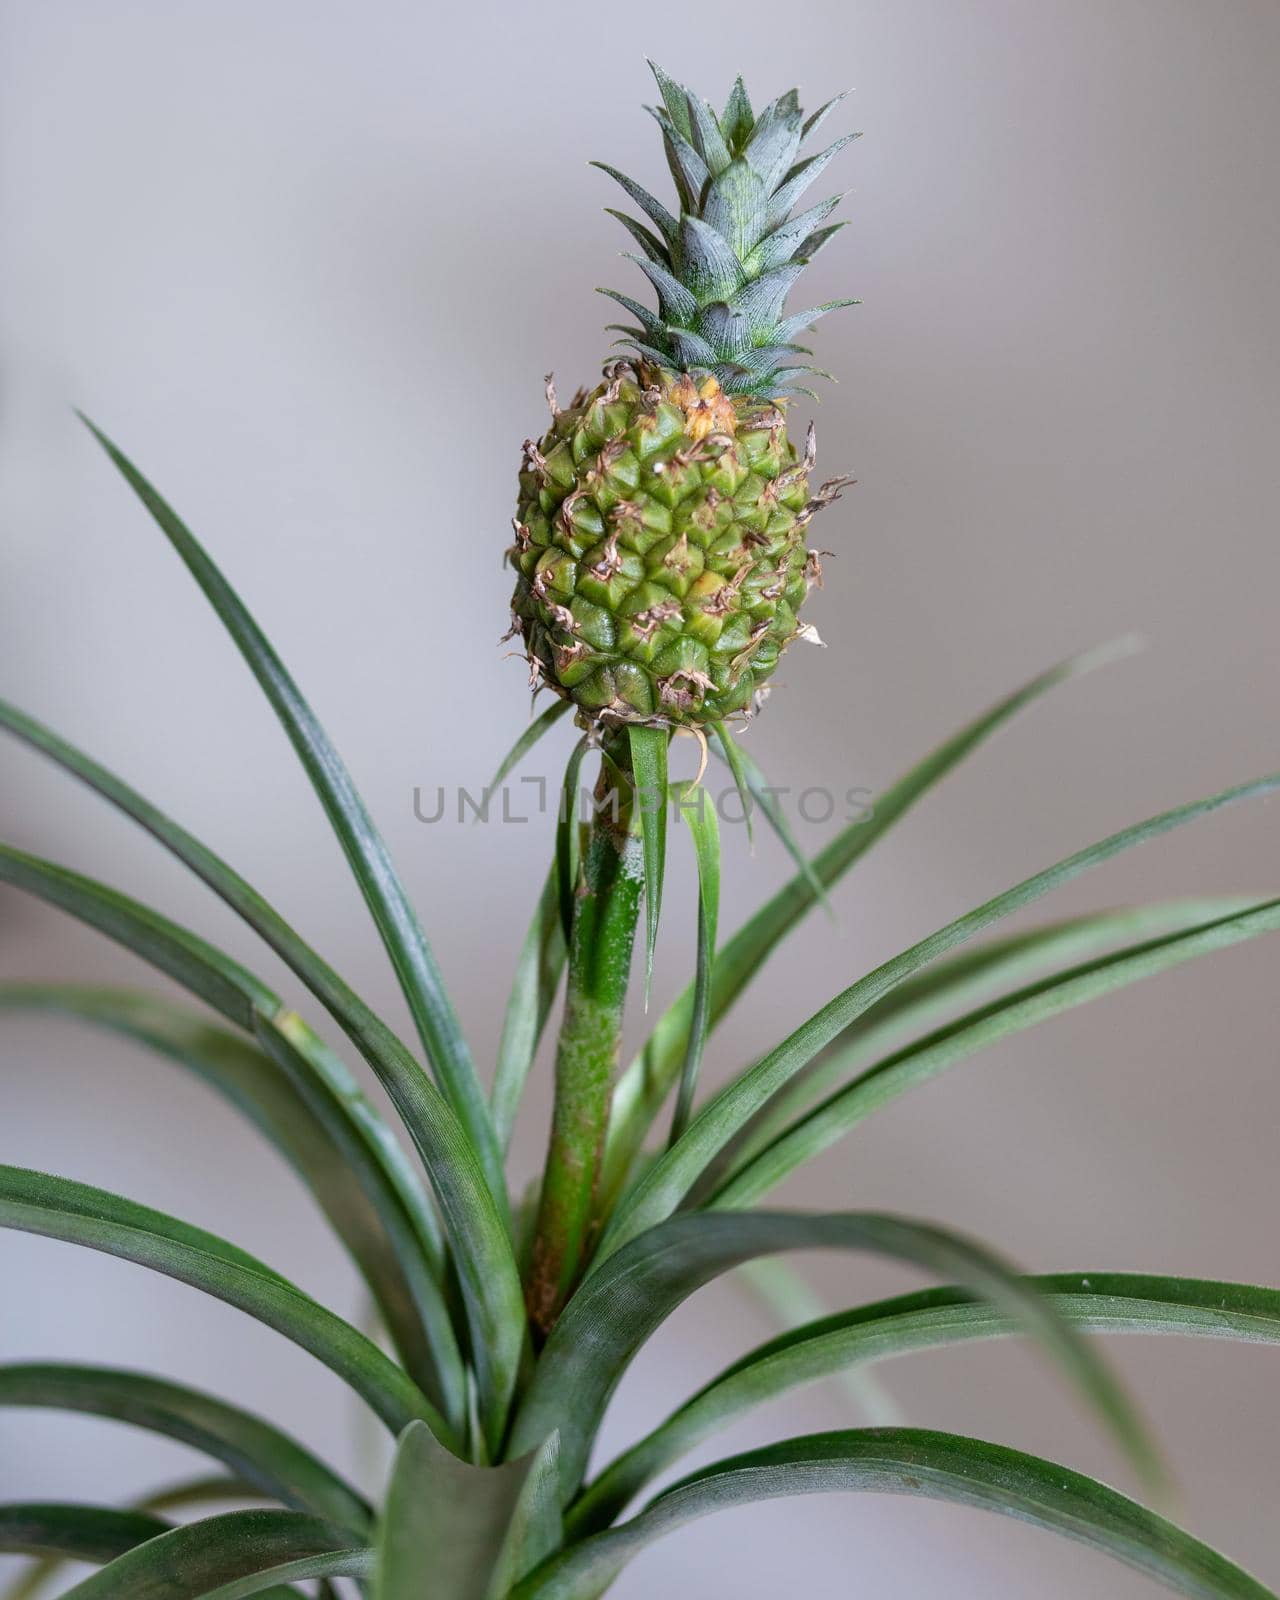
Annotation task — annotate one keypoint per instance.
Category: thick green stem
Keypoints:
(606, 908)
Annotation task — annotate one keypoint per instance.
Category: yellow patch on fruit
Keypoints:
(707, 409)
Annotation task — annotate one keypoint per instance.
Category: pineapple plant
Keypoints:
(661, 559)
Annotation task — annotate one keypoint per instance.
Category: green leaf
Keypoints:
(217, 980)
(653, 209)
(674, 97)
(58, 1208)
(645, 1084)
(38, 1574)
(533, 990)
(445, 1522)
(736, 119)
(365, 1030)
(790, 1299)
(357, 1564)
(536, 1528)
(521, 748)
(970, 976)
(909, 1067)
(705, 131)
(937, 1466)
(73, 1532)
(354, 828)
(484, 1258)
(257, 1452)
(732, 754)
(1095, 1302)
(708, 266)
(621, 1303)
(699, 812)
(567, 851)
(214, 1487)
(339, 1149)
(669, 1180)
(748, 776)
(191, 1562)
(649, 766)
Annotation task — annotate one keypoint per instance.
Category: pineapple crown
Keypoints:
(723, 268)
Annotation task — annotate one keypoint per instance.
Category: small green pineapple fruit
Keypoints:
(661, 534)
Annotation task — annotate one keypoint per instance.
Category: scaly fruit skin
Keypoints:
(660, 548)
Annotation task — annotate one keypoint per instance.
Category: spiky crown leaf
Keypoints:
(723, 268)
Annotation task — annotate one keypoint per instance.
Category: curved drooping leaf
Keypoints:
(73, 1532)
(353, 1015)
(215, 1487)
(969, 977)
(356, 1563)
(40, 1572)
(646, 1082)
(191, 1562)
(621, 1303)
(790, 1300)
(754, 790)
(695, 806)
(220, 982)
(259, 1453)
(483, 1254)
(354, 828)
(910, 1461)
(521, 748)
(737, 770)
(367, 1031)
(669, 1180)
(384, 1051)
(533, 990)
(346, 1170)
(649, 766)
(58, 1208)
(1093, 1302)
(445, 1523)
(915, 1064)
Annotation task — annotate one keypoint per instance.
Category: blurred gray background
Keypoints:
(308, 263)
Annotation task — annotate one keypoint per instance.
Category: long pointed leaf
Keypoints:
(258, 1452)
(189, 1563)
(73, 1532)
(365, 1030)
(621, 1303)
(356, 1563)
(344, 1168)
(646, 1082)
(915, 1462)
(521, 748)
(354, 828)
(649, 765)
(567, 839)
(695, 807)
(58, 1208)
(1094, 1302)
(667, 1182)
(42, 1571)
(533, 991)
(484, 1257)
(971, 976)
(747, 775)
(912, 1066)
(791, 1300)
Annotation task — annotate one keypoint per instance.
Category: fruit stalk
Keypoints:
(606, 909)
